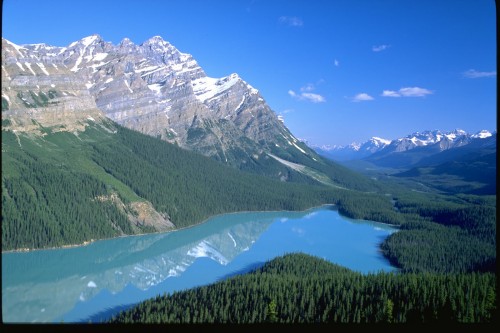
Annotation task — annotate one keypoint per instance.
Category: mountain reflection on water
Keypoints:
(73, 284)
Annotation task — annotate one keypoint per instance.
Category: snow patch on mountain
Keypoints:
(206, 88)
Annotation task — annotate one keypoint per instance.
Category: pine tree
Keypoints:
(271, 313)
(388, 311)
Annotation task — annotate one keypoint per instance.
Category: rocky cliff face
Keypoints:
(151, 87)
(39, 91)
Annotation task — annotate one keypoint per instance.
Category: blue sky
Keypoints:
(338, 71)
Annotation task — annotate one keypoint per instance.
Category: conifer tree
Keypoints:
(271, 313)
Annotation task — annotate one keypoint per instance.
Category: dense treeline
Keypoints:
(49, 206)
(190, 187)
(52, 195)
(430, 247)
(298, 288)
(367, 206)
(442, 235)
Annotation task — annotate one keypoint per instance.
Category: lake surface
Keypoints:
(90, 283)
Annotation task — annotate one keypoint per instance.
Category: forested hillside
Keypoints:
(298, 288)
(64, 188)
(443, 234)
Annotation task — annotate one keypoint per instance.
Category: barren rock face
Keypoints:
(39, 90)
(152, 88)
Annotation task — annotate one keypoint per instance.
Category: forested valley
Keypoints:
(54, 191)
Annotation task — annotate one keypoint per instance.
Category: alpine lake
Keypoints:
(91, 283)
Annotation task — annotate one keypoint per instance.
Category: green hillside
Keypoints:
(65, 188)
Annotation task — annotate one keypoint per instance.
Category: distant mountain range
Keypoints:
(354, 150)
(387, 153)
(454, 162)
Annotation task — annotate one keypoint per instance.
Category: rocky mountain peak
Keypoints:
(92, 39)
(125, 42)
(152, 88)
(156, 40)
(157, 44)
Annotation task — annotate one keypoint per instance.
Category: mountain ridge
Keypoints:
(378, 148)
(152, 88)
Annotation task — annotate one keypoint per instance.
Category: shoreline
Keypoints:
(85, 243)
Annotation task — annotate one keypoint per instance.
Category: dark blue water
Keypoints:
(90, 283)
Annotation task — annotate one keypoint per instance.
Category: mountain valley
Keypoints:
(101, 141)
(454, 162)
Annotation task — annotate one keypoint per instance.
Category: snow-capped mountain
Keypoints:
(354, 150)
(448, 140)
(377, 149)
(435, 139)
(482, 134)
(411, 149)
(152, 88)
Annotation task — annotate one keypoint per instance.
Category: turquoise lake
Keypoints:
(90, 283)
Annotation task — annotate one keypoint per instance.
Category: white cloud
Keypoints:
(362, 97)
(306, 94)
(407, 92)
(378, 48)
(414, 92)
(336, 63)
(291, 21)
(311, 97)
(390, 93)
(473, 74)
(315, 98)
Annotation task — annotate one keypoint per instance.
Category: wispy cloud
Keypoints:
(308, 87)
(407, 92)
(315, 98)
(291, 21)
(336, 63)
(362, 97)
(307, 96)
(390, 93)
(378, 48)
(473, 74)
(414, 92)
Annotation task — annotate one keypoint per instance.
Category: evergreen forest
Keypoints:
(298, 288)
